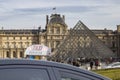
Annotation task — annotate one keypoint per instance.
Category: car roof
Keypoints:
(6, 62)
(34, 62)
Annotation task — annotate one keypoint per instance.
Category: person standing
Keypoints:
(91, 64)
(96, 64)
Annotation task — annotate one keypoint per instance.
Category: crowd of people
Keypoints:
(89, 64)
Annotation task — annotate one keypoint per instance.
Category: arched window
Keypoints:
(57, 30)
(63, 31)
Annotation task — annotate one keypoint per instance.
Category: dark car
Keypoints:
(43, 70)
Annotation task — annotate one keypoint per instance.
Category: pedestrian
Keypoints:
(91, 64)
(96, 64)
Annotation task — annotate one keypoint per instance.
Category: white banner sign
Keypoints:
(38, 50)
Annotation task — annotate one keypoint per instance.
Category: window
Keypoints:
(27, 32)
(7, 44)
(33, 42)
(14, 54)
(49, 37)
(52, 44)
(20, 38)
(14, 45)
(114, 51)
(63, 31)
(23, 74)
(7, 38)
(33, 32)
(14, 32)
(14, 38)
(69, 74)
(20, 44)
(7, 54)
(52, 49)
(21, 33)
(44, 37)
(27, 37)
(100, 37)
(113, 44)
(57, 30)
(27, 44)
(21, 54)
(51, 31)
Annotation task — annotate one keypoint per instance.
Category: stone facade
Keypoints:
(13, 43)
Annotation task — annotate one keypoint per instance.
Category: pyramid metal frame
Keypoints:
(81, 42)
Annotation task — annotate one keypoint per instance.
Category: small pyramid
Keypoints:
(81, 42)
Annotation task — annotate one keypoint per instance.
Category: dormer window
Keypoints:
(51, 30)
(57, 30)
(63, 31)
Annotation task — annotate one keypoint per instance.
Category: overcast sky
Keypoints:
(29, 14)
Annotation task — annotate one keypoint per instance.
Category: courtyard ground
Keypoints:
(114, 74)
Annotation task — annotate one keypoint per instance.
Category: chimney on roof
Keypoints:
(63, 17)
(2, 28)
(47, 19)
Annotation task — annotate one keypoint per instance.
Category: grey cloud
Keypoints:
(64, 9)
(80, 9)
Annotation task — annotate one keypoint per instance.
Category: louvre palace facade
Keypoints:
(13, 43)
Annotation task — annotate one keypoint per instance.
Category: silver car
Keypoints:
(113, 65)
(43, 70)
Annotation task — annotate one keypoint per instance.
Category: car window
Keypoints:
(69, 74)
(23, 74)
